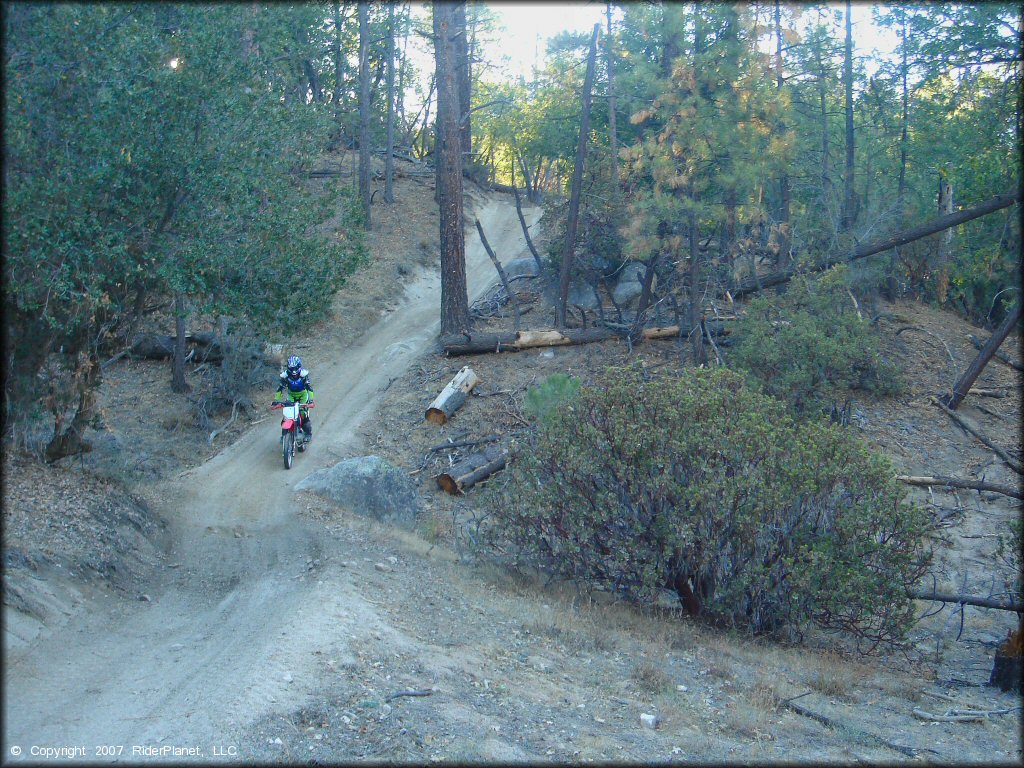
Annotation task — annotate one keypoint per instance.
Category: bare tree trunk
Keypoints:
(784, 196)
(339, 64)
(462, 81)
(364, 111)
(612, 134)
(963, 384)
(178, 383)
(940, 265)
(826, 179)
(577, 182)
(849, 202)
(389, 159)
(454, 299)
(892, 288)
(696, 337)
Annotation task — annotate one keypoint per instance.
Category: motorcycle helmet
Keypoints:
(294, 367)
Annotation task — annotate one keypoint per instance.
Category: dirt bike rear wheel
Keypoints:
(288, 448)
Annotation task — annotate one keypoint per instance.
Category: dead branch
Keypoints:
(954, 482)
(974, 430)
(234, 412)
(1002, 356)
(934, 336)
(959, 715)
(464, 443)
(878, 246)
(828, 722)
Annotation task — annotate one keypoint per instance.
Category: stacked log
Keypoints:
(472, 469)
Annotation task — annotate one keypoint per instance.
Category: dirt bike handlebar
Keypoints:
(277, 406)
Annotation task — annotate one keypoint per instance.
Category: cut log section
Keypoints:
(471, 470)
(516, 341)
(452, 396)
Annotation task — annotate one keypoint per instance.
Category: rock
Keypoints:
(630, 284)
(369, 486)
(583, 295)
(519, 267)
(287, 677)
(382, 568)
(650, 720)
(393, 560)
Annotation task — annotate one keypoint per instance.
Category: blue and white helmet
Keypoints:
(294, 367)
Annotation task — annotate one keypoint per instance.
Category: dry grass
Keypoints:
(650, 677)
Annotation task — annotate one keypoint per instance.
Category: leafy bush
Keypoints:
(809, 348)
(543, 399)
(706, 487)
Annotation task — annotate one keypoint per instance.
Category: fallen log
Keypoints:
(954, 482)
(467, 344)
(878, 246)
(1002, 356)
(980, 602)
(452, 396)
(969, 426)
(155, 346)
(963, 384)
(471, 470)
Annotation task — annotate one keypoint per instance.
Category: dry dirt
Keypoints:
(254, 624)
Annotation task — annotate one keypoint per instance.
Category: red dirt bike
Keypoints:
(293, 417)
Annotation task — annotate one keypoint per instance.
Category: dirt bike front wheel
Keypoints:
(288, 448)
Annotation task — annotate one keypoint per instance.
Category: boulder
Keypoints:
(583, 295)
(630, 284)
(521, 267)
(369, 486)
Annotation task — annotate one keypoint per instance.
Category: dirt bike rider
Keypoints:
(295, 381)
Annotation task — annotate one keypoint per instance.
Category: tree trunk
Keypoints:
(454, 298)
(891, 285)
(462, 82)
(339, 63)
(471, 470)
(522, 221)
(849, 203)
(178, 383)
(695, 310)
(71, 442)
(613, 138)
(782, 261)
(963, 384)
(364, 112)
(940, 265)
(577, 182)
(501, 275)
(902, 238)
(389, 158)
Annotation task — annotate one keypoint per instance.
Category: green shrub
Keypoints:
(709, 488)
(542, 400)
(809, 348)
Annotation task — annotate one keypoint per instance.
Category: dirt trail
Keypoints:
(229, 629)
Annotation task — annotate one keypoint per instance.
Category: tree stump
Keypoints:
(452, 396)
(1006, 667)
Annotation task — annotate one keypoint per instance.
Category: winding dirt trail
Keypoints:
(230, 619)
